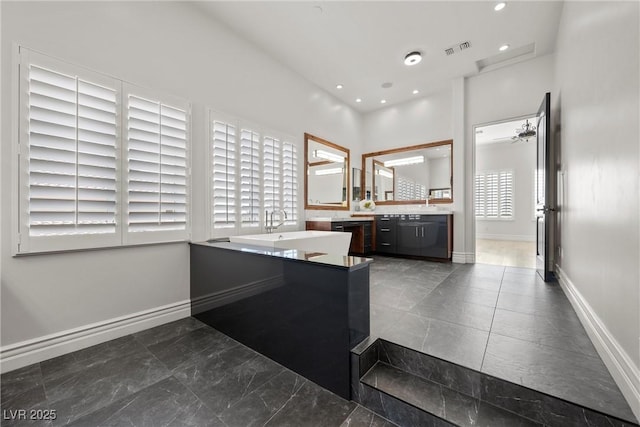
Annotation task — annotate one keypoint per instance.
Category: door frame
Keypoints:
(471, 180)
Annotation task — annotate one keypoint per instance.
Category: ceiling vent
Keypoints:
(457, 48)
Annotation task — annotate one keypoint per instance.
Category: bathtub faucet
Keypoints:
(268, 219)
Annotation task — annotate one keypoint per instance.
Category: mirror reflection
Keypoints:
(326, 174)
(410, 174)
(356, 178)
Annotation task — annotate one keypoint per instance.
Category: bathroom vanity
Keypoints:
(422, 235)
(361, 229)
(302, 309)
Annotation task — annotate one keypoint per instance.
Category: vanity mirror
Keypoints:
(326, 178)
(409, 175)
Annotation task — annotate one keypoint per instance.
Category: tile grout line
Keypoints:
(492, 319)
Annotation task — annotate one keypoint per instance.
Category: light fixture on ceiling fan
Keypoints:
(525, 132)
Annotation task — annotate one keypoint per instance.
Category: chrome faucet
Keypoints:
(268, 219)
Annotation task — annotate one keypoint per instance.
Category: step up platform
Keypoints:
(411, 388)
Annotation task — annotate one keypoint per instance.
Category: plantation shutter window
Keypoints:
(494, 195)
(223, 143)
(290, 182)
(157, 166)
(271, 182)
(250, 178)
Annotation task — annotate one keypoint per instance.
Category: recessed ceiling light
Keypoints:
(504, 47)
(383, 101)
(339, 86)
(412, 58)
(358, 100)
(416, 91)
(499, 6)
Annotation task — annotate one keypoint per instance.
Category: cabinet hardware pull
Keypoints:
(422, 231)
(416, 231)
(385, 244)
(384, 229)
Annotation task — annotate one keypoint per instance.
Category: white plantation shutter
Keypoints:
(494, 195)
(157, 168)
(223, 181)
(250, 178)
(271, 181)
(290, 182)
(506, 194)
(480, 192)
(68, 169)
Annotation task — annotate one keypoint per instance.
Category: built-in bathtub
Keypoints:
(328, 242)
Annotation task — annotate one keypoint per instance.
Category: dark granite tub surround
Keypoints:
(303, 310)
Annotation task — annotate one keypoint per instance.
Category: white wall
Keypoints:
(165, 46)
(597, 79)
(521, 158)
(507, 92)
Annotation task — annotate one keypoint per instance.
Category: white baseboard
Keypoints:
(510, 237)
(463, 257)
(622, 369)
(25, 353)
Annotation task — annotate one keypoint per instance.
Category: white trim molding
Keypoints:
(36, 350)
(620, 365)
(463, 257)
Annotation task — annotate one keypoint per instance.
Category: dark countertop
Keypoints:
(349, 262)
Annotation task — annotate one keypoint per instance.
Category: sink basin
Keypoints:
(329, 242)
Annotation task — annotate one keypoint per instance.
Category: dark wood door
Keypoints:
(544, 203)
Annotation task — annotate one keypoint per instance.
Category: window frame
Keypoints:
(498, 217)
(25, 244)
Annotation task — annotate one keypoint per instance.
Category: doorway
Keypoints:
(504, 193)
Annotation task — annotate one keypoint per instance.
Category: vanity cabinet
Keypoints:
(414, 235)
(361, 233)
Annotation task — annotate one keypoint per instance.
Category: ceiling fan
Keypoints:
(523, 133)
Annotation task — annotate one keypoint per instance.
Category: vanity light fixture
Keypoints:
(416, 91)
(332, 171)
(339, 86)
(504, 47)
(412, 58)
(404, 161)
(321, 154)
(385, 173)
(499, 6)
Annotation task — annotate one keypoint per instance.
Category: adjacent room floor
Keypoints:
(506, 252)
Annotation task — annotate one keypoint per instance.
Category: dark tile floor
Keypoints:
(180, 374)
(502, 321)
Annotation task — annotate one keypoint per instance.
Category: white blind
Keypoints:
(494, 195)
(223, 198)
(72, 137)
(272, 164)
(250, 178)
(157, 166)
(290, 182)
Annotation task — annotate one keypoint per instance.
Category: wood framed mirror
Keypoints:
(326, 175)
(409, 175)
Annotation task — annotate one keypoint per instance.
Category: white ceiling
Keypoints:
(362, 44)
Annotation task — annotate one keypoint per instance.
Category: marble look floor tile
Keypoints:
(549, 331)
(85, 391)
(487, 283)
(312, 406)
(520, 270)
(456, 343)
(404, 297)
(59, 369)
(166, 403)
(263, 403)
(22, 389)
(186, 349)
(168, 331)
(447, 292)
(568, 375)
(362, 417)
(382, 317)
(532, 286)
(20, 381)
(454, 311)
(223, 378)
(550, 304)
